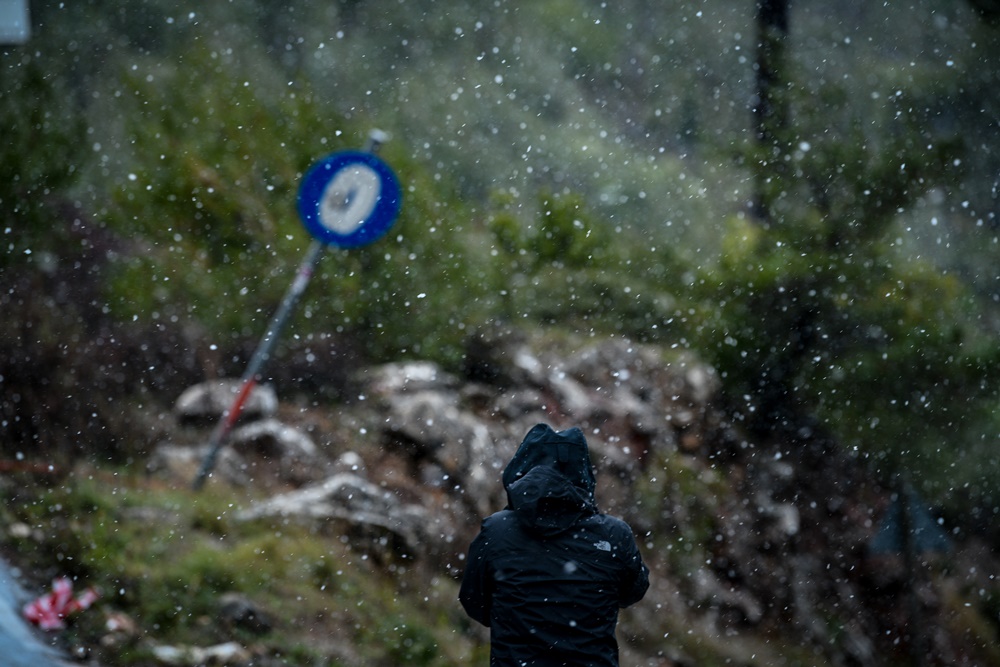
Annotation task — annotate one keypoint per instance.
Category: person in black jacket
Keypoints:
(548, 574)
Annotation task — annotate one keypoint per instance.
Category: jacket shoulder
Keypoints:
(613, 524)
(501, 520)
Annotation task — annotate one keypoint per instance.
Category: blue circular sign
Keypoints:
(349, 199)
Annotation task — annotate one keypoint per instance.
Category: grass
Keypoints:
(163, 556)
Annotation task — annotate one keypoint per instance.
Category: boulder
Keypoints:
(183, 462)
(238, 611)
(432, 429)
(377, 517)
(208, 401)
(274, 448)
(409, 377)
(229, 653)
(732, 604)
(498, 355)
(272, 438)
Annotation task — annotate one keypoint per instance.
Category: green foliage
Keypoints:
(564, 266)
(198, 156)
(817, 311)
(164, 557)
(406, 644)
(210, 192)
(418, 290)
(209, 188)
(585, 28)
(40, 155)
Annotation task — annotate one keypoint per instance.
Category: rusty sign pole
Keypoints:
(348, 199)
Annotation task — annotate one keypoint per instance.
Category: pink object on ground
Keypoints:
(49, 611)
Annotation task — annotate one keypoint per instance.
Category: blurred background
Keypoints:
(801, 194)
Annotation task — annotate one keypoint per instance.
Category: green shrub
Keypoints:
(817, 313)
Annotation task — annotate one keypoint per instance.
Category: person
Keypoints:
(548, 573)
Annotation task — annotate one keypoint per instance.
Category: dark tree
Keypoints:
(770, 111)
(988, 9)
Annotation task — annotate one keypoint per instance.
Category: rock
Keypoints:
(701, 383)
(498, 355)
(522, 403)
(271, 438)
(19, 530)
(119, 629)
(208, 401)
(410, 377)
(613, 362)
(625, 394)
(238, 611)
(726, 599)
(620, 388)
(350, 462)
(784, 516)
(433, 429)
(359, 503)
(572, 397)
(229, 653)
(270, 447)
(184, 461)
(528, 366)
(262, 449)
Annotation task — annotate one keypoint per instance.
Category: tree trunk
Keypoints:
(770, 111)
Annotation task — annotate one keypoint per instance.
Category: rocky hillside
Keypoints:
(760, 548)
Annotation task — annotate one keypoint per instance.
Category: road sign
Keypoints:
(349, 199)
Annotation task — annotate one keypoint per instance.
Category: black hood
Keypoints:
(549, 481)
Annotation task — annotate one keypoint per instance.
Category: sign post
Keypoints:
(348, 199)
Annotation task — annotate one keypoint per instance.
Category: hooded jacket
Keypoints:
(548, 574)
